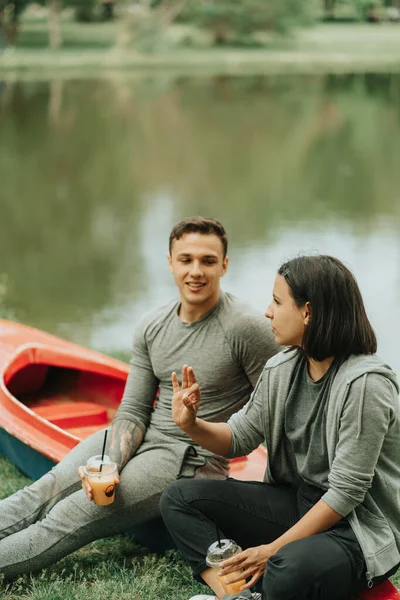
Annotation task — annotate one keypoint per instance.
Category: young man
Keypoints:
(228, 343)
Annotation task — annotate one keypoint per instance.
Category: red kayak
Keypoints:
(54, 393)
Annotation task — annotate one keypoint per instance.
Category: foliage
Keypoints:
(84, 10)
(234, 21)
(144, 26)
(10, 11)
(89, 11)
(355, 10)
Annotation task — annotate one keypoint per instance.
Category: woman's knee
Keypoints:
(283, 576)
(180, 495)
(171, 499)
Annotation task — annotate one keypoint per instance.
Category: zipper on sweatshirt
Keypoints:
(368, 575)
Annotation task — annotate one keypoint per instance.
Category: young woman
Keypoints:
(325, 522)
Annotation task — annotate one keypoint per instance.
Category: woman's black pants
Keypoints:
(326, 566)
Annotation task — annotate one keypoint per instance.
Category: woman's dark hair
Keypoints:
(338, 324)
(201, 225)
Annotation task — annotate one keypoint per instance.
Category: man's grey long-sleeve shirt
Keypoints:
(227, 349)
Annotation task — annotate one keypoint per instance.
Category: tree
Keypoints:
(143, 24)
(53, 17)
(10, 11)
(236, 20)
(369, 10)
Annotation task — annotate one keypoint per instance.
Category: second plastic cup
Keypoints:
(101, 480)
(216, 554)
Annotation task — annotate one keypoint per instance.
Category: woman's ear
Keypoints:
(307, 313)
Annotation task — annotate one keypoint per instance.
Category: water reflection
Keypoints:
(94, 173)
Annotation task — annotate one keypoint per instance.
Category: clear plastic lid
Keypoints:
(219, 551)
(98, 468)
(96, 461)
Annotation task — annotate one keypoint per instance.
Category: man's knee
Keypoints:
(284, 575)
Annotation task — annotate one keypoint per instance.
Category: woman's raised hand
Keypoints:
(185, 400)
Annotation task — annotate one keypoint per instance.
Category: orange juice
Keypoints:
(101, 476)
(217, 553)
(231, 588)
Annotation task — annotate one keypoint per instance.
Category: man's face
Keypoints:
(197, 264)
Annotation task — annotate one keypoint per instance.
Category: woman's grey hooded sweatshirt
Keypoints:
(364, 475)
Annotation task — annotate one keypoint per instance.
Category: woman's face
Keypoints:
(288, 321)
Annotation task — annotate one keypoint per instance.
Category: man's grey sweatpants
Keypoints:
(44, 522)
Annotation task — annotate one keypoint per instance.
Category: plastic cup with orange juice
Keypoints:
(216, 554)
(101, 473)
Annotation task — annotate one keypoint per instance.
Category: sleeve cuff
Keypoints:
(338, 502)
(231, 453)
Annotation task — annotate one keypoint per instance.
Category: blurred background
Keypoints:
(148, 25)
(96, 168)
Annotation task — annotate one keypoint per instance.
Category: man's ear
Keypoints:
(170, 262)
(225, 263)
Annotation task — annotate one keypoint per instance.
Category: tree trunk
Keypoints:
(2, 24)
(329, 9)
(55, 40)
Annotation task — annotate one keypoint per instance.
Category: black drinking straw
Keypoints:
(104, 449)
(218, 536)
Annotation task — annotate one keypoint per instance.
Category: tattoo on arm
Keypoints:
(126, 438)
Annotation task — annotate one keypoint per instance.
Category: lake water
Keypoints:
(94, 173)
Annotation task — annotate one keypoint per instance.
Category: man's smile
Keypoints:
(195, 285)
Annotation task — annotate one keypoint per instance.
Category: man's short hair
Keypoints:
(202, 225)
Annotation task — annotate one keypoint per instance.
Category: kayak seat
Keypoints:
(73, 414)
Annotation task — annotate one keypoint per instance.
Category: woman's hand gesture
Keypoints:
(185, 401)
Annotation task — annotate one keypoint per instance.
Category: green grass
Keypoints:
(336, 47)
(76, 36)
(112, 569)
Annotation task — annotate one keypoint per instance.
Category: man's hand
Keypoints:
(87, 488)
(185, 401)
(249, 563)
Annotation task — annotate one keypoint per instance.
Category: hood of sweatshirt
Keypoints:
(353, 368)
(360, 366)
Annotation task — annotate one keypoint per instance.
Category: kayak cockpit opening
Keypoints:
(76, 400)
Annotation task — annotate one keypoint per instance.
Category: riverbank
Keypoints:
(90, 48)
